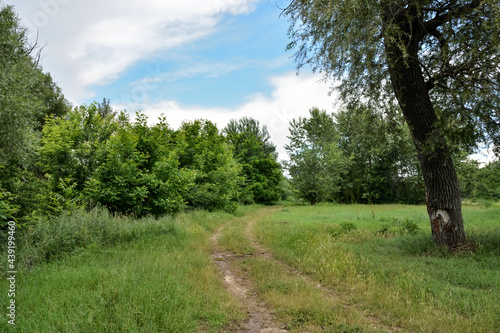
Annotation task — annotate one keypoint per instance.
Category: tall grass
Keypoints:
(383, 259)
(92, 272)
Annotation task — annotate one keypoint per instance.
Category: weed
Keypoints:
(409, 226)
(395, 226)
(342, 229)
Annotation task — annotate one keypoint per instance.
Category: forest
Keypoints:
(114, 222)
(56, 157)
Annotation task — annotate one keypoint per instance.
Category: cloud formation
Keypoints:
(292, 96)
(92, 42)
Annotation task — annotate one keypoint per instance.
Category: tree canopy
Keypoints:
(438, 59)
(456, 45)
(257, 156)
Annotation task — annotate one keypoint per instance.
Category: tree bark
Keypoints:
(442, 188)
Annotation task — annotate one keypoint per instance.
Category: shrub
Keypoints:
(73, 231)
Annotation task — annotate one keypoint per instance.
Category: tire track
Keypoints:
(261, 318)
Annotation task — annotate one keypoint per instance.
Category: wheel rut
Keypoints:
(261, 318)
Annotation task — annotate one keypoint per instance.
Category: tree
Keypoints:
(70, 143)
(439, 59)
(384, 166)
(205, 151)
(257, 156)
(138, 171)
(27, 96)
(316, 164)
(488, 182)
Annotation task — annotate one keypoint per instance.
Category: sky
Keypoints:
(188, 59)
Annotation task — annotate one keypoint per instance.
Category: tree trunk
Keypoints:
(441, 182)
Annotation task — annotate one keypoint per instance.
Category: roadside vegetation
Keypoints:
(381, 260)
(96, 273)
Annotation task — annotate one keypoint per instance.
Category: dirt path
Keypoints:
(261, 317)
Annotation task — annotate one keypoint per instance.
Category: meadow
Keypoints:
(333, 268)
(382, 261)
(92, 272)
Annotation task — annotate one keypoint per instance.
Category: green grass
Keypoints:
(234, 238)
(382, 259)
(302, 306)
(92, 272)
(298, 304)
(157, 276)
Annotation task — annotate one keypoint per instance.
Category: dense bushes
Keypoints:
(134, 168)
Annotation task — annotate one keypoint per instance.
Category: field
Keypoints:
(327, 268)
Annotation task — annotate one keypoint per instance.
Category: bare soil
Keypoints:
(261, 318)
(261, 315)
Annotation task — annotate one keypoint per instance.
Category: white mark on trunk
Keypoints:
(440, 220)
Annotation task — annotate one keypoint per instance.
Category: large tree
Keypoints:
(254, 151)
(439, 59)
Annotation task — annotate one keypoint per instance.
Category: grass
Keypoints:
(92, 272)
(299, 304)
(382, 259)
(156, 276)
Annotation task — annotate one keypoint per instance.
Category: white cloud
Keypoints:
(292, 97)
(92, 42)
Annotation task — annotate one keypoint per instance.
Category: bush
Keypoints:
(50, 240)
(398, 226)
(343, 228)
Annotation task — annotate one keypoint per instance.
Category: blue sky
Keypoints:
(187, 59)
(223, 69)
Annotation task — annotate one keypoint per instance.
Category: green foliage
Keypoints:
(7, 209)
(457, 45)
(18, 109)
(357, 155)
(138, 172)
(70, 145)
(316, 165)
(439, 60)
(27, 97)
(488, 182)
(258, 158)
(479, 183)
(217, 174)
(93, 156)
(385, 167)
(394, 226)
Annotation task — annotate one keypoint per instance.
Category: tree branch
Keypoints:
(441, 19)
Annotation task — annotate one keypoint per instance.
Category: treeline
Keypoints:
(55, 157)
(479, 183)
(93, 156)
(357, 155)
(361, 155)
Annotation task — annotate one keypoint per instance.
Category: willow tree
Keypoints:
(438, 59)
